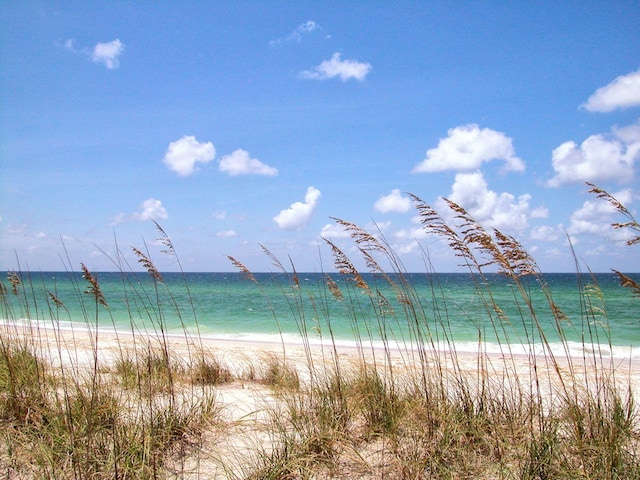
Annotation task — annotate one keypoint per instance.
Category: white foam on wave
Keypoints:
(558, 349)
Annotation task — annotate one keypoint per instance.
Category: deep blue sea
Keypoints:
(446, 309)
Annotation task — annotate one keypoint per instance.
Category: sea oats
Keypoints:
(94, 288)
(148, 264)
(628, 282)
(475, 234)
(165, 240)
(345, 267)
(334, 288)
(278, 264)
(57, 302)
(242, 268)
(434, 224)
(631, 224)
(519, 262)
(14, 280)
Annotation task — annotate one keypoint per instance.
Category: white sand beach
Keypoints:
(246, 406)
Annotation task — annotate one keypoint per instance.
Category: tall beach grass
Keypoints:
(144, 404)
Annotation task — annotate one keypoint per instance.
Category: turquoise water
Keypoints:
(445, 308)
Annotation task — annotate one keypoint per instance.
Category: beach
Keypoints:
(245, 403)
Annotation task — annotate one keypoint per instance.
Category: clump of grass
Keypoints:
(377, 402)
(22, 376)
(150, 370)
(277, 373)
(209, 370)
(83, 427)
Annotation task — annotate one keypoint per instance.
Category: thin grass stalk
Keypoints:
(433, 223)
(372, 247)
(157, 280)
(350, 273)
(94, 291)
(170, 250)
(296, 307)
(327, 290)
(242, 268)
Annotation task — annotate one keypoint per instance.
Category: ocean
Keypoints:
(461, 311)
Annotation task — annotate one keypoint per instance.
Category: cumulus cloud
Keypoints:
(540, 212)
(394, 202)
(240, 163)
(183, 154)
(595, 217)
(297, 35)
(407, 241)
(629, 135)
(333, 230)
(623, 92)
(598, 158)
(108, 53)
(491, 209)
(467, 147)
(345, 69)
(150, 209)
(299, 213)
(546, 233)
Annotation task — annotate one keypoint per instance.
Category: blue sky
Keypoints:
(235, 124)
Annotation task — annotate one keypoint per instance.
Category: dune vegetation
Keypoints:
(80, 403)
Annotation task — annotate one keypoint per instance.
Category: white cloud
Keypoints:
(183, 154)
(299, 213)
(345, 69)
(333, 230)
(598, 158)
(545, 233)
(630, 135)
(150, 209)
(407, 241)
(502, 211)
(623, 92)
(296, 36)
(107, 53)
(595, 217)
(540, 212)
(467, 147)
(415, 233)
(240, 163)
(219, 215)
(226, 234)
(394, 202)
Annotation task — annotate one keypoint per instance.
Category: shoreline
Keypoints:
(568, 349)
(77, 346)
